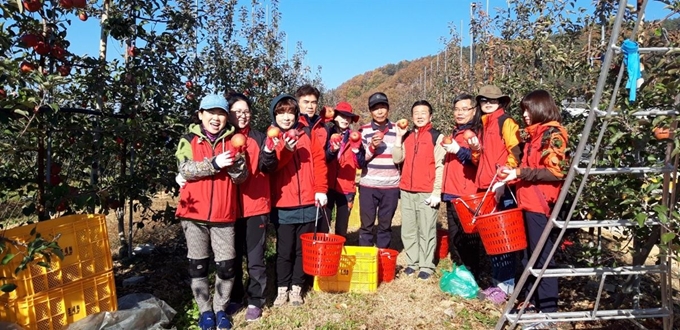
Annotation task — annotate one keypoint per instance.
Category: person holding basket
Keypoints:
(298, 185)
(539, 179)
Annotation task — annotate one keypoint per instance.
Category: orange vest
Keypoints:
(494, 151)
(459, 178)
(418, 171)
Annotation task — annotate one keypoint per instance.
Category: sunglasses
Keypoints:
(491, 101)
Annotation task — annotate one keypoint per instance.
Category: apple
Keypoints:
(30, 39)
(402, 123)
(41, 48)
(119, 140)
(32, 5)
(64, 70)
(379, 134)
(355, 136)
(66, 4)
(61, 207)
(190, 96)
(26, 67)
(82, 16)
(273, 132)
(447, 140)
(501, 172)
(79, 3)
(138, 145)
(336, 138)
(292, 134)
(661, 133)
(238, 140)
(131, 51)
(468, 134)
(329, 112)
(58, 52)
(3, 94)
(189, 84)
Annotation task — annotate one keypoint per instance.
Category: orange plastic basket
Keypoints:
(387, 264)
(442, 247)
(467, 205)
(321, 254)
(502, 232)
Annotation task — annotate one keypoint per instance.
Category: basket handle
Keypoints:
(316, 221)
(479, 206)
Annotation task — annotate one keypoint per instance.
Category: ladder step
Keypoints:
(601, 113)
(625, 170)
(590, 315)
(602, 223)
(643, 50)
(623, 270)
(655, 112)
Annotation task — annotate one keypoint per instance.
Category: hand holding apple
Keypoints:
(450, 145)
(224, 159)
(402, 123)
(377, 138)
(503, 172)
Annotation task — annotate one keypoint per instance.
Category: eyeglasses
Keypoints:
(241, 112)
(462, 109)
(491, 101)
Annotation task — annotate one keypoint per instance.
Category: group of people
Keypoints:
(302, 171)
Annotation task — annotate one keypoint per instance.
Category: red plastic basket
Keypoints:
(502, 232)
(387, 264)
(442, 247)
(467, 205)
(321, 256)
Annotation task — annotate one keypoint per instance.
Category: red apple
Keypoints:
(501, 172)
(66, 4)
(447, 140)
(131, 51)
(379, 134)
(79, 3)
(336, 138)
(42, 48)
(82, 16)
(355, 136)
(292, 134)
(238, 140)
(32, 5)
(402, 123)
(190, 96)
(468, 134)
(119, 140)
(3, 94)
(26, 67)
(64, 70)
(30, 40)
(273, 132)
(661, 133)
(189, 84)
(61, 207)
(329, 113)
(58, 52)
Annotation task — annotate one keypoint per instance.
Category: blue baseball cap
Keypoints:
(214, 101)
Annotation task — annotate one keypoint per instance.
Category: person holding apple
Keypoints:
(500, 146)
(379, 184)
(344, 153)
(539, 179)
(208, 205)
(422, 157)
(298, 185)
(459, 178)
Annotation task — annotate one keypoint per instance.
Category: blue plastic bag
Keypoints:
(459, 282)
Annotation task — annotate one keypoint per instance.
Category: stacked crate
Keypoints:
(358, 272)
(70, 289)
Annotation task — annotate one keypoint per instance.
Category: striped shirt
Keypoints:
(379, 170)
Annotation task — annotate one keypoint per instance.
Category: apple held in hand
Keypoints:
(468, 134)
(336, 138)
(501, 172)
(238, 140)
(273, 132)
(292, 134)
(447, 140)
(402, 123)
(355, 136)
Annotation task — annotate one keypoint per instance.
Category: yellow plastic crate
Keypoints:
(56, 308)
(84, 241)
(358, 272)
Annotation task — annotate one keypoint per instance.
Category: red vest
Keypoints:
(494, 151)
(418, 171)
(255, 195)
(459, 178)
(214, 198)
(536, 196)
(300, 173)
(342, 171)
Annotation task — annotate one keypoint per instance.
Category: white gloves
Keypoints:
(320, 199)
(181, 181)
(290, 143)
(433, 201)
(512, 175)
(474, 143)
(224, 159)
(452, 147)
(498, 188)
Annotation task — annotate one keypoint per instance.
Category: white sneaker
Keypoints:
(281, 296)
(296, 296)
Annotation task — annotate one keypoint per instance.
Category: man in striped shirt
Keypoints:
(379, 185)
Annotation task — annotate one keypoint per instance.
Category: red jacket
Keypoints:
(342, 167)
(459, 175)
(418, 172)
(540, 173)
(254, 193)
(318, 128)
(211, 199)
(301, 173)
(495, 145)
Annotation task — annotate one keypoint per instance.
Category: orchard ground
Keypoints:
(405, 303)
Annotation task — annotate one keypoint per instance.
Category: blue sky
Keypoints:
(350, 37)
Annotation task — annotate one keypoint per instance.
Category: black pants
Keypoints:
(250, 243)
(547, 293)
(339, 202)
(289, 254)
(380, 202)
(464, 248)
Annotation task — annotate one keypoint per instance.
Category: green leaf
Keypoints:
(34, 230)
(43, 264)
(7, 288)
(8, 257)
(20, 5)
(667, 237)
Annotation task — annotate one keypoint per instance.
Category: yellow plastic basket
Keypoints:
(56, 308)
(358, 272)
(84, 241)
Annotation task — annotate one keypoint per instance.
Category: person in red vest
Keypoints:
(499, 141)
(459, 179)
(298, 186)
(422, 155)
(539, 180)
(343, 156)
(208, 206)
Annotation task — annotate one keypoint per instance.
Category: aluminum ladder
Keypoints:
(638, 268)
